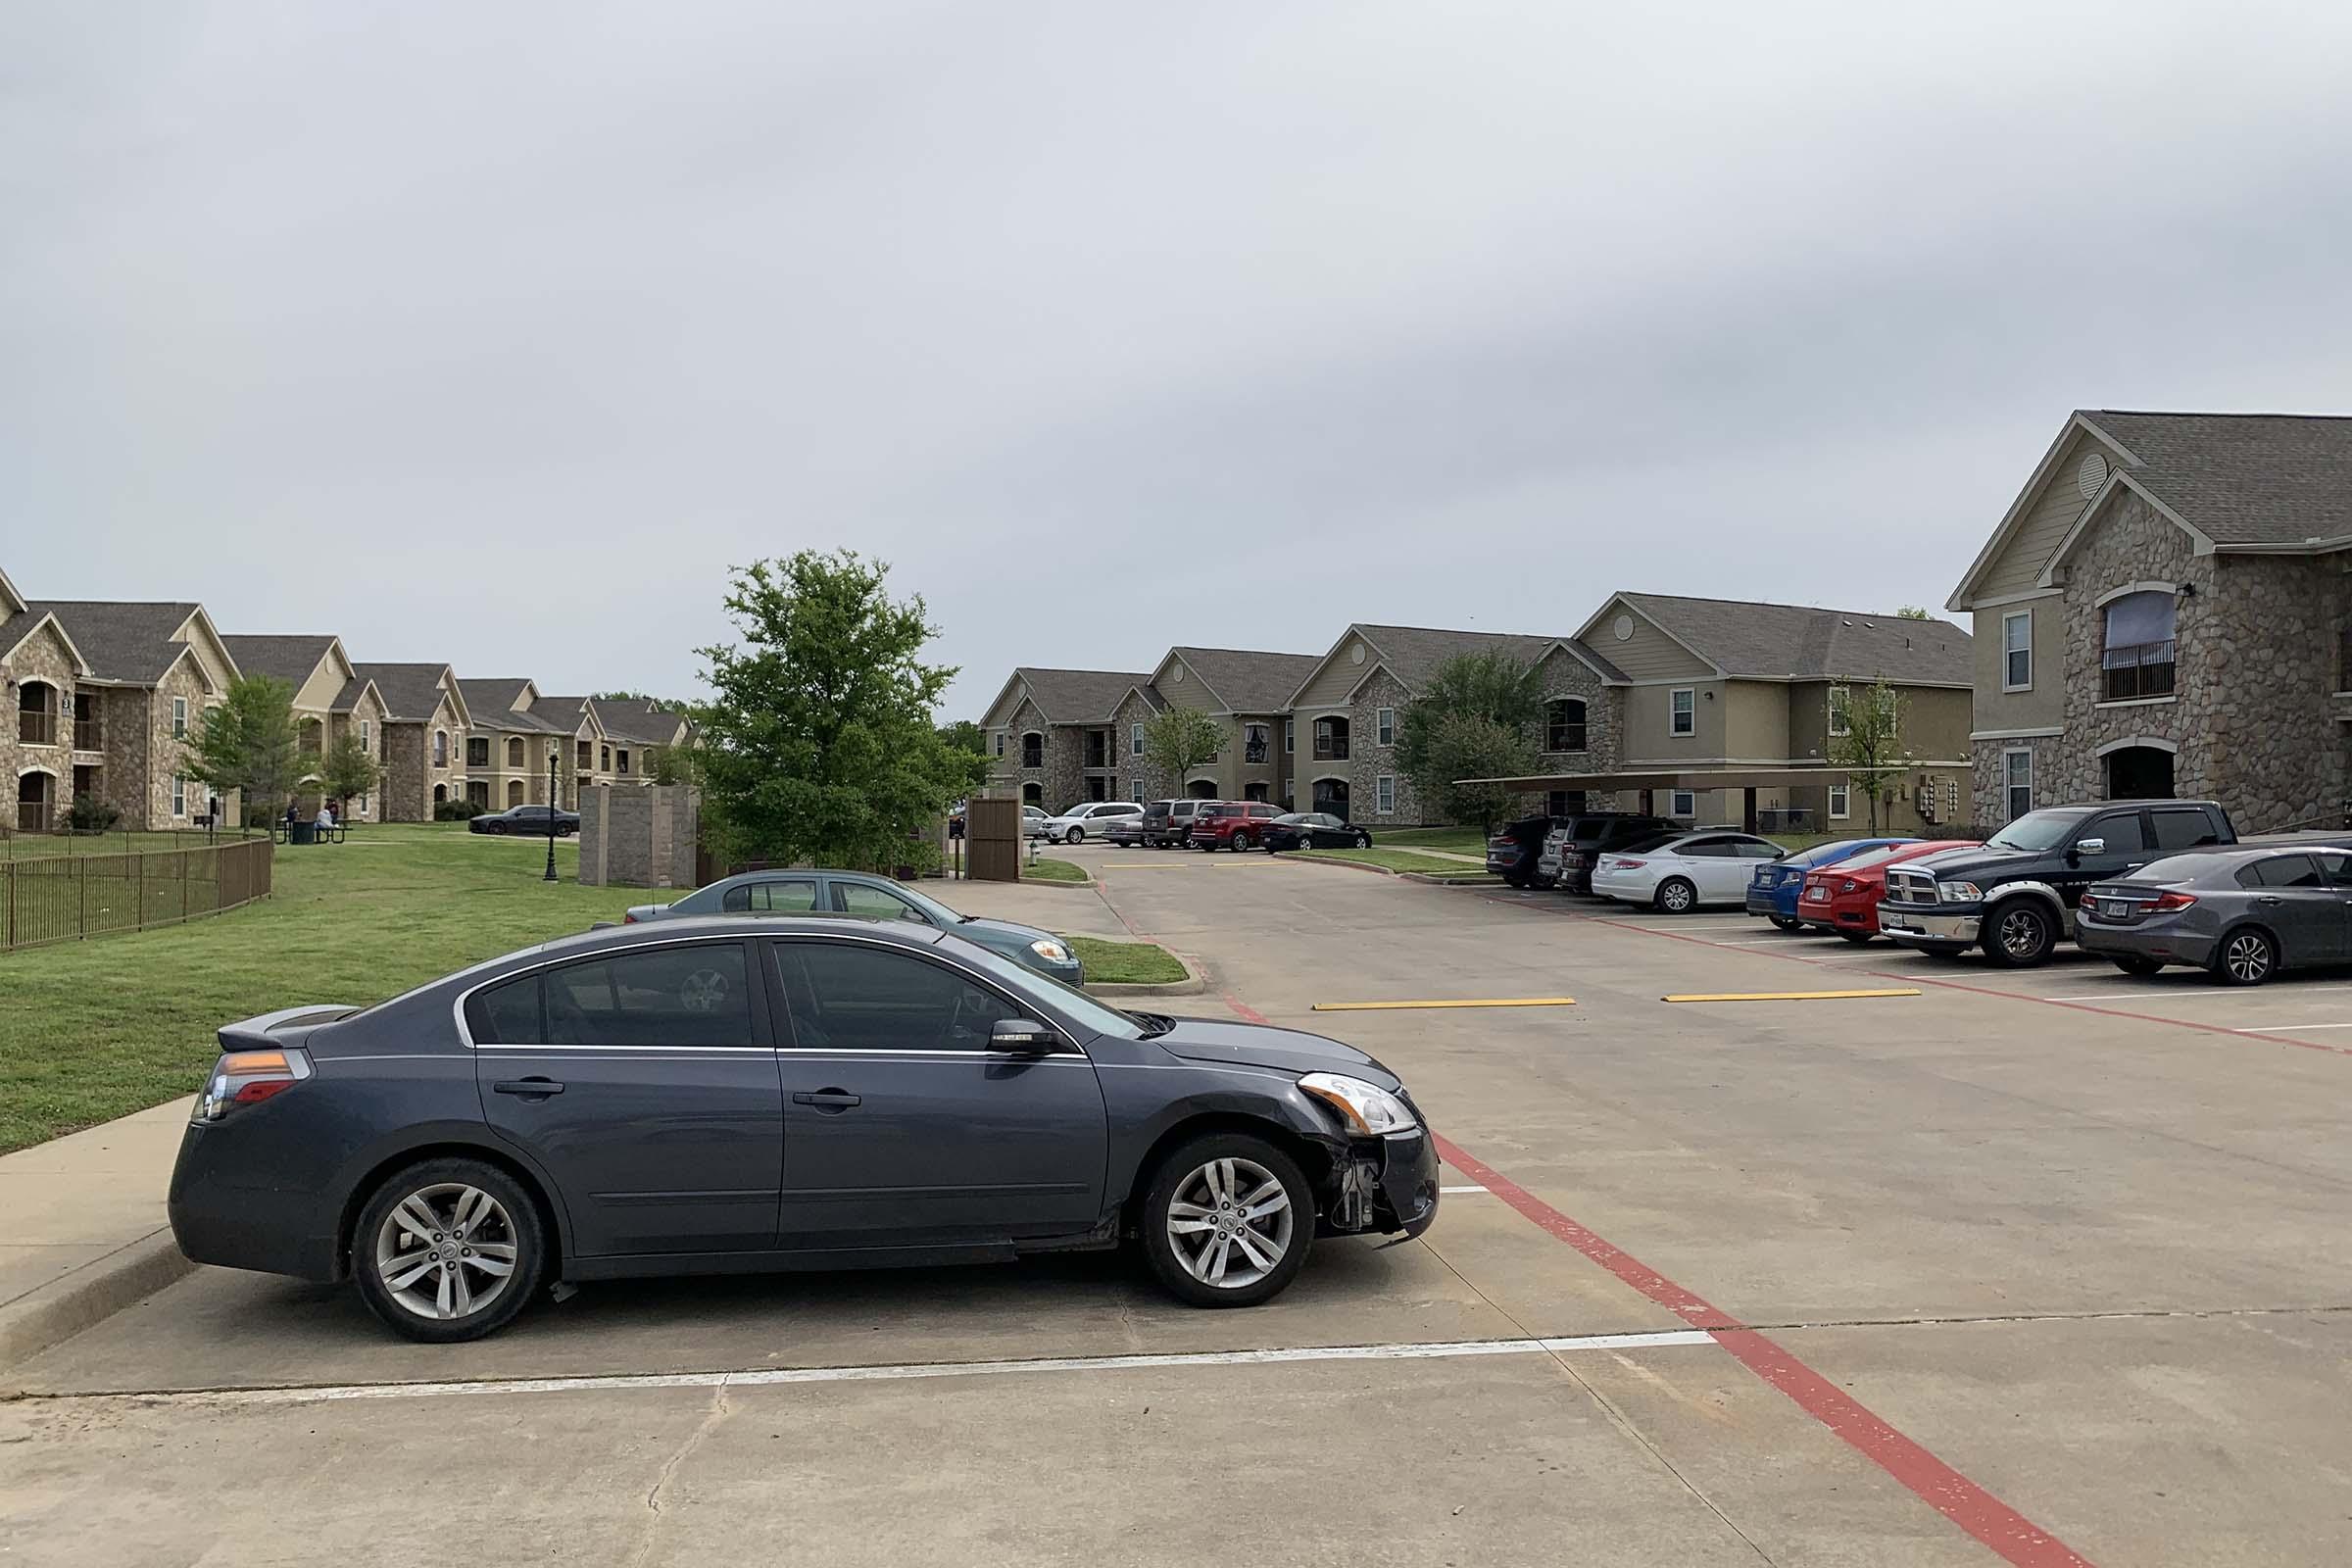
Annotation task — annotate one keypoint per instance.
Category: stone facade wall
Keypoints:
(1988, 792)
(636, 836)
(1150, 783)
(1061, 776)
(42, 658)
(410, 775)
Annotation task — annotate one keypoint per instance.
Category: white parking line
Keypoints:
(900, 1372)
(2272, 1029)
(1466, 1187)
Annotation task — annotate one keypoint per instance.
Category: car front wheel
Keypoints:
(1363, 841)
(1677, 896)
(2021, 935)
(1075, 835)
(1788, 923)
(447, 1250)
(1227, 1220)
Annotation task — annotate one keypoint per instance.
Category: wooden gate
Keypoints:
(992, 839)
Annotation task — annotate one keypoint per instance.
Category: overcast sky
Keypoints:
(496, 334)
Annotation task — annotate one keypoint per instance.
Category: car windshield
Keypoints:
(2037, 830)
(1294, 817)
(1069, 1000)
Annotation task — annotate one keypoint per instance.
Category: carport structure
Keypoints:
(1748, 780)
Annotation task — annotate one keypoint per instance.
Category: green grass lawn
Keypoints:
(1125, 962)
(1457, 839)
(94, 1030)
(47, 846)
(1053, 871)
(1397, 861)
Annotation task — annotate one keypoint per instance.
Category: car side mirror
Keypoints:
(2089, 846)
(1023, 1037)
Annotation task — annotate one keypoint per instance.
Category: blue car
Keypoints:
(1772, 891)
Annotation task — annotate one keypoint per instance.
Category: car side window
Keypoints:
(686, 996)
(507, 1014)
(2121, 830)
(853, 996)
(2283, 871)
(789, 896)
(863, 898)
(1757, 850)
(1706, 848)
(2338, 865)
(2182, 828)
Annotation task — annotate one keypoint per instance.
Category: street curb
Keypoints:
(1435, 879)
(62, 1308)
(1087, 886)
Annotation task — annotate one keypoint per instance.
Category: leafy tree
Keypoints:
(966, 734)
(1488, 706)
(1912, 612)
(1179, 739)
(820, 743)
(248, 744)
(349, 770)
(1459, 746)
(1870, 750)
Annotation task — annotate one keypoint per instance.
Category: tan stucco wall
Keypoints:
(2044, 705)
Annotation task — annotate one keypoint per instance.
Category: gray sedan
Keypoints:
(875, 898)
(2241, 914)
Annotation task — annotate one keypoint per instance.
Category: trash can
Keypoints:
(302, 832)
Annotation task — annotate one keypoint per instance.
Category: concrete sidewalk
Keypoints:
(86, 1233)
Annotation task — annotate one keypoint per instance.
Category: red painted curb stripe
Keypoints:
(2010, 1535)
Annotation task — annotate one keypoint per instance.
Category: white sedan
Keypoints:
(1086, 819)
(1679, 873)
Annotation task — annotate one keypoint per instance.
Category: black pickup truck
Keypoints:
(2015, 897)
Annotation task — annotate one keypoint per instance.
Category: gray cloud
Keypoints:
(496, 336)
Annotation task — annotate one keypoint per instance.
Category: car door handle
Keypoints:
(529, 1087)
(2268, 899)
(826, 1099)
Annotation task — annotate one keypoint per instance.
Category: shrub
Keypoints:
(456, 810)
(90, 815)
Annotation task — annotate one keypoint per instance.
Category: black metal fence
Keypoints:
(65, 898)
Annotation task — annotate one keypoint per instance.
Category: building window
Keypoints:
(1686, 710)
(604, 759)
(620, 761)
(366, 735)
(2017, 651)
(36, 713)
(180, 795)
(179, 718)
(1842, 802)
(363, 803)
(2017, 777)
(1564, 724)
(477, 750)
(1135, 740)
(1331, 740)
(1033, 793)
(514, 750)
(1033, 749)
(1384, 722)
(1290, 739)
(1000, 743)
(1681, 803)
(2137, 653)
(1384, 795)
(1254, 746)
(1841, 711)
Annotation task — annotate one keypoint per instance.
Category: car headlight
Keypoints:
(1368, 1109)
(1051, 951)
(1959, 891)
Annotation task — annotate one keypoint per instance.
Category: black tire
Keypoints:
(1676, 895)
(2022, 932)
(1076, 835)
(1857, 937)
(2134, 964)
(1152, 1219)
(1787, 922)
(2246, 957)
(520, 1218)
(1242, 843)
(1363, 841)
(1512, 879)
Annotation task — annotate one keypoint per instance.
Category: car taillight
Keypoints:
(247, 1078)
(629, 917)
(1850, 885)
(2165, 902)
(1630, 865)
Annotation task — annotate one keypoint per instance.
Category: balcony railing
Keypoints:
(2139, 670)
(86, 737)
(1564, 738)
(37, 727)
(1331, 749)
(1257, 752)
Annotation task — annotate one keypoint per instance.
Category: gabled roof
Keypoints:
(411, 692)
(1080, 696)
(20, 626)
(1245, 680)
(489, 696)
(632, 719)
(292, 659)
(1761, 641)
(354, 689)
(570, 713)
(127, 643)
(12, 603)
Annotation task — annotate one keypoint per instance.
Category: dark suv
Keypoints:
(1585, 838)
(1231, 824)
(1513, 849)
(1167, 822)
(2016, 896)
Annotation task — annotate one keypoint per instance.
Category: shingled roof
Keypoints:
(1082, 696)
(1412, 653)
(631, 718)
(1246, 681)
(2242, 478)
(411, 692)
(1794, 642)
(130, 643)
(288, 659)
(492, 695)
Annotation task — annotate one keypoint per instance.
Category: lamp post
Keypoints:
(552, 808)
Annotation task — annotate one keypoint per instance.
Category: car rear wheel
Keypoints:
(1242, 841)
(2133, 963)
(1227, 1221)
(1857, 937)
(2247, 957)
(2022, 935)
(1677, 896)
(1787, 923)
(447, 1250)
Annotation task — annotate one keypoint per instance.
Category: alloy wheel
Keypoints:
(446, 1251)
(2247, 958)
(2022, 934)
(1229, 1223)
(1675, 895)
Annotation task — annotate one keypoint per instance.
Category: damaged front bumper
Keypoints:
(1387, 1185)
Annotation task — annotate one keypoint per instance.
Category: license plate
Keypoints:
(1816, 895)
(2116, 909)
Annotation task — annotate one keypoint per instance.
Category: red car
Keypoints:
(1231, 824)
(1843, 896)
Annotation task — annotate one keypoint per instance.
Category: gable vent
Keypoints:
(2091, 476)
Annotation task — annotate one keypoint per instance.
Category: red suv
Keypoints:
(1231, 824)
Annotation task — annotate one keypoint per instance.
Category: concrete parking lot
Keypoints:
(2044, 1267)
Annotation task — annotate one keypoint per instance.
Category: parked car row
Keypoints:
(1198, 824)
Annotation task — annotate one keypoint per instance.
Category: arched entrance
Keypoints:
(2138, 771)
(36, 801)
(1330, 796)
(1201, 788)
(1033, 793)
(514, 792)
(440, 794)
